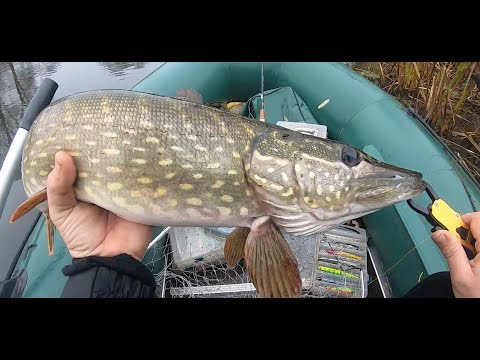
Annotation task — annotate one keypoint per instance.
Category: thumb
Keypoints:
(453, 252)
(60, 184)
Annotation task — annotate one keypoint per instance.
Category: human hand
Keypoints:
(464, 273)
(86, 228)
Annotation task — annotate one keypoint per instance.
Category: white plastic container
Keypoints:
(305, 128)
(193, 245)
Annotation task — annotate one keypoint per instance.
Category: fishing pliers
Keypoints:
(442, 217)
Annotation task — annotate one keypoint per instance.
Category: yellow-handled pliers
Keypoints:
(441, 216)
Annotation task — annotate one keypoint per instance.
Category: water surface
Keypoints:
(20, 80)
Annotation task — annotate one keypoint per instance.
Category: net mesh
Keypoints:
(191, 264)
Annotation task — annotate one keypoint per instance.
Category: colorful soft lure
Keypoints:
(336, 272)
(343, 253)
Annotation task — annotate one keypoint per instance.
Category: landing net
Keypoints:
(331, 264)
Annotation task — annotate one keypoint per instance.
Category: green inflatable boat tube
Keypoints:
(361, 114)
(358, 113)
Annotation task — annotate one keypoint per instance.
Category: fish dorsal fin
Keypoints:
(190, 95)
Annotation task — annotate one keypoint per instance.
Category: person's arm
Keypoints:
(116, 276)
(464, 273)
(106, 249)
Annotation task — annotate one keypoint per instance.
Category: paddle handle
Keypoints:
(42, 98)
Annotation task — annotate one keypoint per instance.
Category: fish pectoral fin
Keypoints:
(235, 245)
(270, 262)
(50, 233)
(28, 205)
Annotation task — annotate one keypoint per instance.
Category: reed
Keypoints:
(443, 93)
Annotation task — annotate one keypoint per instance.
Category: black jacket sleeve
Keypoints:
(121, 276)
(437, 285)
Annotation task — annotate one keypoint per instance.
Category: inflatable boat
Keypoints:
(352, 110)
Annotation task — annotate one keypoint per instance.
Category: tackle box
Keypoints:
(331, 264)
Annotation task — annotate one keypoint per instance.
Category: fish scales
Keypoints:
(163, 161)
(150, 159)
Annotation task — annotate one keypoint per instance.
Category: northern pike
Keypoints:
(159, 160)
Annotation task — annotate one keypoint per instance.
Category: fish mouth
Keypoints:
(385, 184)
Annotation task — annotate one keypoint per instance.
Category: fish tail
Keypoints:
(28, 205)
(50, 233)
(270, 262)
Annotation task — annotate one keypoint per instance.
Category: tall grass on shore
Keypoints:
(443, 93)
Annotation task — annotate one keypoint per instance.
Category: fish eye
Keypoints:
(350, 156)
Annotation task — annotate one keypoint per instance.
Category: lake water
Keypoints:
(20, 80)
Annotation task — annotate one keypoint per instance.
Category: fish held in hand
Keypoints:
(158, 160)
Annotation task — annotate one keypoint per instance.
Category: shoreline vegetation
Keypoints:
(443, 93)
